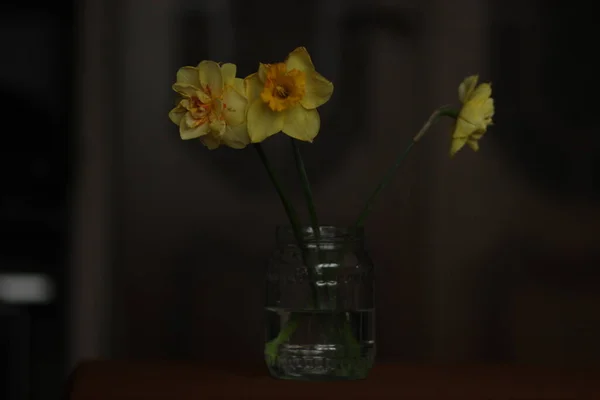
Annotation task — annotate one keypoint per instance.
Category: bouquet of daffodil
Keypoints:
(219, 108)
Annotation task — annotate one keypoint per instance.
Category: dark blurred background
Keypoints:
(122, 241)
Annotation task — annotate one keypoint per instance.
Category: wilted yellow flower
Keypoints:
(284, 97)
(213, 105)
(474, 116)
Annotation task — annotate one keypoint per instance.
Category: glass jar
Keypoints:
(320, 314)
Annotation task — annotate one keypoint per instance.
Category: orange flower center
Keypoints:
(202, 113)
(283, 89)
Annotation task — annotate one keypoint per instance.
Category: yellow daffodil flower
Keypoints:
(212, 105)
(284, 97)
(474, 116)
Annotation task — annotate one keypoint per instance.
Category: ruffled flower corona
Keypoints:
(475, 115)
(285, 96)
(212, 105)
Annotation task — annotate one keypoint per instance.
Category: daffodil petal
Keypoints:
(204, 98)
(189, 121)
(187, 133)
(185, 89)
(299, 59)
(185, 103)
(481, 93)
(253, 87)
(236, 137)
(262, 72)
(477, 135)
(466, 88)
(217, 108)
(176, 114)
(302, 124)
(228, 72)
(210, 141)
(238, 84)
(456, 145)
(188, 76)
(479, 109)
(211, 79)
(190, 91)
(262, 121)
(234, 107)
(218, 126)
(463, 129)
(488, 108)
(472, 112)
(475, 115)
(473, 144)
(318, 91)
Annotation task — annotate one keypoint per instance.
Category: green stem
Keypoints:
(314, 220)
(289, 209)
(272, 347)
(437, 114)
(292, 216)
(308, 197)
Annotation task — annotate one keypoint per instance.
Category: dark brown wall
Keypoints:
(460, 245)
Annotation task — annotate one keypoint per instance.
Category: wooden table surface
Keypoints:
(117, 380)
